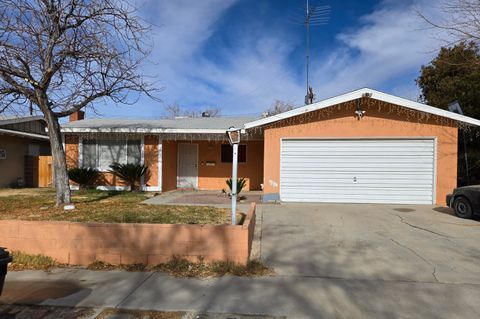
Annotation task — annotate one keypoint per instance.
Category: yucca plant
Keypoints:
(83, 176)
(241, 182)
(130, 173)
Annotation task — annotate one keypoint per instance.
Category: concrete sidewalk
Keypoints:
(290, 296)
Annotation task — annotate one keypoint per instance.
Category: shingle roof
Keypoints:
(178, 125)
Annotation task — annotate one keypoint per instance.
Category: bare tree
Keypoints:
(278, 107)
(62, 55)
(174, 110)
(461, 20)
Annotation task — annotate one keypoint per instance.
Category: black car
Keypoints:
(465, 201)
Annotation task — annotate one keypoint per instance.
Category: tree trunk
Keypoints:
(61, 180)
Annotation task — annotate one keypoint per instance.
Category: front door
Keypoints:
(187, 169)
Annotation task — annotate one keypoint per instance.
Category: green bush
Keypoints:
(84, 177)
(130, 173)
(241, 182)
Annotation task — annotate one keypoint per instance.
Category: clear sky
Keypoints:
(241, 55)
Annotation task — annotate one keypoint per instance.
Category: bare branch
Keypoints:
(461, 20)
(74, 52)
(278, 107)
(64, 55)
(174, 110)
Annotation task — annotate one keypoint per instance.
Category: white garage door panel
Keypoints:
(358, 171)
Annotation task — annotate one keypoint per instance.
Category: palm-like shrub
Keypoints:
(84, 177)
(130, 173)
(241, 182)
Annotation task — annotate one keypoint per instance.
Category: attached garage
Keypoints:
(358, 170)
(364, 146)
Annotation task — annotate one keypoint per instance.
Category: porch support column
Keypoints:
(160, 165)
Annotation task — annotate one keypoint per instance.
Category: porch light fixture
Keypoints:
(233, 134)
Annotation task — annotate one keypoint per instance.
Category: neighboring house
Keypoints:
(361, 147)
(20, 138)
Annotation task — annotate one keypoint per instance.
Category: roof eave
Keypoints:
(24, 134)
(21, 120)
(356, 95)
(143, 130)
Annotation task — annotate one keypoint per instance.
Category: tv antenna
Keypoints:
(312, 16)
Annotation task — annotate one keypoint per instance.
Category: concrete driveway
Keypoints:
(373, 261)
(381, 242)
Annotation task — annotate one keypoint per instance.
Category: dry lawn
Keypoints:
(104, 207)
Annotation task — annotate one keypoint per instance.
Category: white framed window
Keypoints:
(102, 153)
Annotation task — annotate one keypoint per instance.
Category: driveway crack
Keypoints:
(420, 228)
(434, 271)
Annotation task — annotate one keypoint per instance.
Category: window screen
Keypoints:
(134, 152)
(227, 153)
(89, 153)
(111, 151)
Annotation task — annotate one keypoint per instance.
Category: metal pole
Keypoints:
(307, 25)
(234, 183)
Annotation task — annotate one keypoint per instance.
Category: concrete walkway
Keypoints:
(345, 261)
(203, 198)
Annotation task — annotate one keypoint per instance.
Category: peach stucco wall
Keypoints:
(214, 177)
(209, 177)
(385, 121)
(108, 179)
(169, 165)
(151, 159)
(84, 243)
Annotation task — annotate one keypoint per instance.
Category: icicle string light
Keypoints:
(370, 105)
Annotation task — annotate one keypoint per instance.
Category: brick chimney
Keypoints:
(77, 116)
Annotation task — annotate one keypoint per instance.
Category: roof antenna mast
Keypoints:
(314, 16)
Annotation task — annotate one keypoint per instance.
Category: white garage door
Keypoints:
(358, 171)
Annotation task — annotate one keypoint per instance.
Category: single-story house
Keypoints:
(21, 138)
(364, 146)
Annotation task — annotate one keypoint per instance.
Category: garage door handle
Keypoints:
(355, 179)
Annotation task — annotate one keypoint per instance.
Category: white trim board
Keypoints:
(358, 94)
(24, 134)
(144, 130)
(160, 163)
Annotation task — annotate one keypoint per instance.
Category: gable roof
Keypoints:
(207, 125)
(358, 94)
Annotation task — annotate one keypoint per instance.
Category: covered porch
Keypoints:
(207, 164)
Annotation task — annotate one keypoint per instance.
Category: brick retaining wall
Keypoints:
(84, 243)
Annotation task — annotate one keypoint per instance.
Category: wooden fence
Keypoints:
(38, 171)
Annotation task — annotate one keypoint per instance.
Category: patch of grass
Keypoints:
(22, 261)
(138, 314)
(100, 265)
(183, 268)
(106, 207)
(176, 267)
